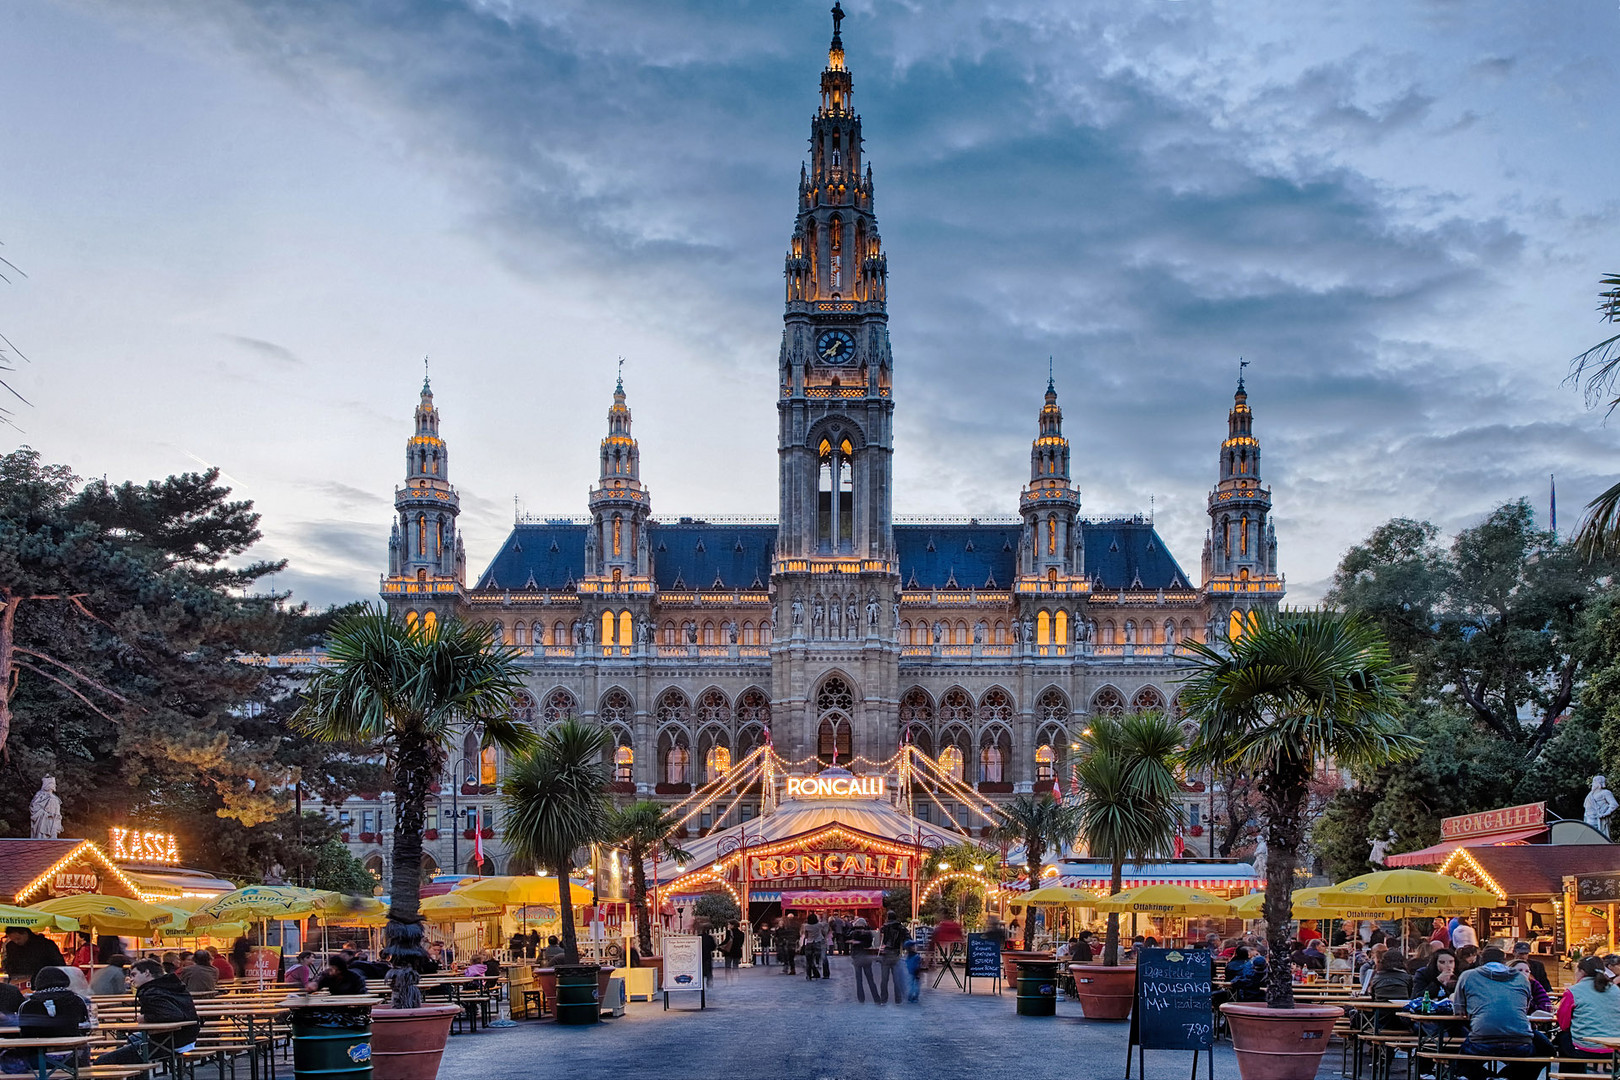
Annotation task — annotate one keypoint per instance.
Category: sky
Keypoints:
(244, 224)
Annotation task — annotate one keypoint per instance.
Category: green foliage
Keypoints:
(1295, 690)
(642, 828)
(717, 907)
(1597, 369)
(556, 801)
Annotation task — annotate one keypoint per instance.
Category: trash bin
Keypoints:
(331, 1036)
(1037, 987)
(578, 996)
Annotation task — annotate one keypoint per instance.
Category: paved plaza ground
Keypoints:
(767, 1025)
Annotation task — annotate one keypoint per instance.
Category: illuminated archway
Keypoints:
(682, 884)
(956, 875)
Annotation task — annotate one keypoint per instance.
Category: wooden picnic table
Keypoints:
(44, 1046)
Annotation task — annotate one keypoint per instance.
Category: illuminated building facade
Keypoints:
(831, 629)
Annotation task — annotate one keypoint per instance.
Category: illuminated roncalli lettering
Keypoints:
(836, 787)
(827, 864)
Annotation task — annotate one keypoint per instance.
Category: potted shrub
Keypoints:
(1040, 824)
(1293, 689)
(1126, 775)
(412, 691)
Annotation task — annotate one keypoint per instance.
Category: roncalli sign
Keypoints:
(830, 865)
(836, 787)
(1487, 822)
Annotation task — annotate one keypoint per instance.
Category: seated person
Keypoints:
(1538, 970)
(1311, 957)
(222, 965)
(1590, 1009)
(1497, 1001)
(113, 978)
(1391, 983)
(302, 974)
(1540, 1000)
(1250, 983)
(53, 1008)
(1082, 952)
(338, 979)
(553, 952)
(160, 998)
(11, 999)
(199, 976)
(1439, 979)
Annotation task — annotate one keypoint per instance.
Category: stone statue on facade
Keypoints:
(1082, 630)
(798, 611)
(588, 631)
(852, 617)
(1029, 630)
(1017, 632)
(45, 812)
(1600, 805)
(939, 632)
(1258, 859)
(978, 633)
(872, 610)
(648, 633)
(818, 614)
(832, 617)
(691, 633)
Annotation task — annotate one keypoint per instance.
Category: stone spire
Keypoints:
(1053, 550)
(616, 548)
(1240, 552)
(423, 546)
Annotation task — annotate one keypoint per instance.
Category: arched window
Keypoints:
(608, 623)
(1043, 628)
(832, 740)
(754, 708)
(1045, 762)
(1053, 708)
(1147, 698)
(956, 707)
(560, 706)
(674, 755)
(1187, 631)
(523, 708)
(990, 764)
(559, 636)
(624, 761)
(713, 708)
(1001, 633)
(410, 620)
(1107, 700)
(717, 763)
(1234, 625)
(995, 707)
(430, 621)
(747, 633)
(520, 634)
(995, 748)
(1060, 627)
(917, 720)
(764, 633)
(835, 694)
(1109, 633)
(708, 632)
(950, 763)
(626, 629)
(670, 632)
(487, 767)
(960, 637)
(616, 709)
(673, 708)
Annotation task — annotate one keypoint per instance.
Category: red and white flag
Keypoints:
(478, 846)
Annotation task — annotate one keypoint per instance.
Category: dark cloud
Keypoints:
(1143, 192)
(265, 350)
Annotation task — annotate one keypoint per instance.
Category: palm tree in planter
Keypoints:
(1041, 824)
(412, 690)
(1294, 690)
(1126, 772)
(556, 803)
(642, 828)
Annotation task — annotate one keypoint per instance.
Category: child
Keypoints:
(913, 964)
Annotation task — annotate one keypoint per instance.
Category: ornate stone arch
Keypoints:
(753, 717)
(1051, 733)
(956, 752)
(1107, 699)
(560, 705)
(1148, 697)
(524, 709)
(996, 706)
(848, 428)
(835, 701)
(956, 707)
(714, 758)
(995, 754)
(714, 707)
(917, 719)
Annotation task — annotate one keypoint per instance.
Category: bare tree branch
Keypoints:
(69, 688)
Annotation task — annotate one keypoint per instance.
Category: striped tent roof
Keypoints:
(1096, 876)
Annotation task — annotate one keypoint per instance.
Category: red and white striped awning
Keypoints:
(1098, 877)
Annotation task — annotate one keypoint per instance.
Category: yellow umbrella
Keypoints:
(1408, 892)
(1307, 904)
(1058, 894)
(179, 925)
(115, 914)
(454, 907)
(343, 908)
(254, 902)
(35, 920)
(512, 891)
(1164, 899)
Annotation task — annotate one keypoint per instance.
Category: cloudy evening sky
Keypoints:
(243, 225)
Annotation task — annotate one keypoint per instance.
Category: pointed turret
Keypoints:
(1240, 552)
(1053, 555)
(425, 560)
(620, 505)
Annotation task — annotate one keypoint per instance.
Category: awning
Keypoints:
(1435, 854)
(1096, 876)
(158, 884)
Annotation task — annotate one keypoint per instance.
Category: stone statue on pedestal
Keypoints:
(1599, 807)
(45, 812)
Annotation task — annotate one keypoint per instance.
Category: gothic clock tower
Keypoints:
(834, 572)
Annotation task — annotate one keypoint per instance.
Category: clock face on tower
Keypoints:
(835, 347)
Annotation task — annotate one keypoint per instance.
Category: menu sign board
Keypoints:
(683, 965)
(1174, 990)
(1597, 888)
(983, 957)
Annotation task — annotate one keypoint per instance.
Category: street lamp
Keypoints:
(455, 817)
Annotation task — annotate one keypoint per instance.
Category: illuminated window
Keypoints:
(833, 740)
(410, 620)
(421, 534)
(608, 623)
(675, 765)
(430, 622)
(624, 760)
(626, 628)
(1243, 542)
(1060, 628)
(1234, 625)
(486, 767)
(708, 632)
(718, 763)
(1043, 628)
(950, 763)
(559, 636)
(618, 527)
(1045, 762)
(1051, 576)
(990, 764)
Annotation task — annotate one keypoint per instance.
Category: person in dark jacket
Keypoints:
(859, 936)
(1439, 979)
(27, 952)
(1497, 1001)
(1250, 983)
(338, 979)
(160, 998)
(53, 1008)
(891, 946)
(1538, 970)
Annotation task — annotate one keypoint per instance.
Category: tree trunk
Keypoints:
(638, 884)
(1035, 848)
(8, 673)
(1284, 795)
(414, 769)
(565, 905)
(1111, 942)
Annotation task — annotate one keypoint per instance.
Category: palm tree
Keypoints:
(411, 690)
(1039, 822)
(1127, 786)
(1290, 693)
(556, 802)
(1599, 369)
(643, 827)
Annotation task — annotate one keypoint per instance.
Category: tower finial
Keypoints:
(1242, 363)
(838, 15)
(620, 388)
(427, 386)
(1051, 384)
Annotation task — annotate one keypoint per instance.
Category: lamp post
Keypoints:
(455, 816)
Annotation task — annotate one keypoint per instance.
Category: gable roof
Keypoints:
(25, 863)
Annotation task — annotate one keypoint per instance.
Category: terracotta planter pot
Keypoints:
(1104, 993)
(602, 976)
(547, 978)
(1280, 1044)
(655, 962)
(406, 1044)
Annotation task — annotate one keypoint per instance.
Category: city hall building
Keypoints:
(832, 631)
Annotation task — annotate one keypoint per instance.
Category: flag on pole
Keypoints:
(1057, 787)
(1552, 504)
(478, 845)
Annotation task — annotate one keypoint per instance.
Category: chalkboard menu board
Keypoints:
(1597, 888)
(1173, 994)
(983, 957)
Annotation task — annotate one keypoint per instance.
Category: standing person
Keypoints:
(1440, 934)
(731, 947)
(239, 955)
(706, 946)
(838, 931)
(892, 942)
(913, 964)
(815, 940)
(84, 953)
(27, 952)
(1462, 935)
(1497, 1000)
(1308, 932)
(1590, 1009)
(787, 944)
(861, 958)
(221, 965)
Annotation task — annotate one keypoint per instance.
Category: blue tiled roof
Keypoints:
(1119, 555)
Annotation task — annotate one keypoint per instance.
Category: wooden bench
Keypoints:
(1445, 1062)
